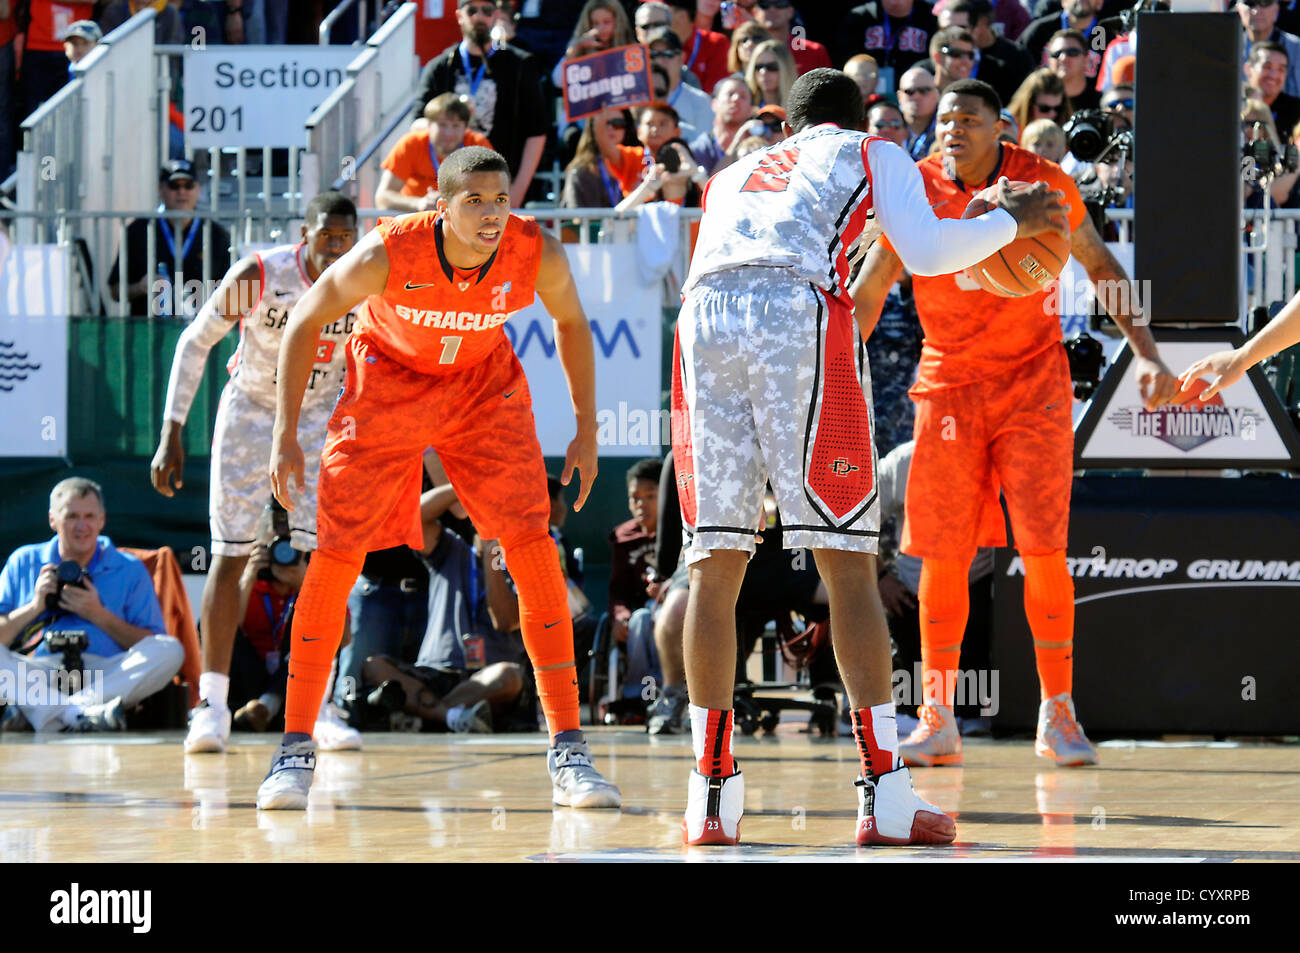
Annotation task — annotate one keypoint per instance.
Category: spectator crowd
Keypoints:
(435, 637)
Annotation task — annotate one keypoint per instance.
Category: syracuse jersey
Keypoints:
(252, 367)
(804, 204)
(971, 335)
(435, 318)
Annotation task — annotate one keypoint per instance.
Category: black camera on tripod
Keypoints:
(71, 644)
(70, 573)
(1093, 135)
(1086, 358)
(1262, 157)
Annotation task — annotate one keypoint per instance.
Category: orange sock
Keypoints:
(318, 618)
(534, 563)
(944, 607)
(1049, 606)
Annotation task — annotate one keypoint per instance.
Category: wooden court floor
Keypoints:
(449, 798)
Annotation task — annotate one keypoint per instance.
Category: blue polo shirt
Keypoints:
(124, 586)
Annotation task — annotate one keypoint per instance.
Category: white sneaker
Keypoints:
(333, 733)
(473, 720)
(287, 783)
(209, 729)
(575, 783)
(713, 809)
(890, 812)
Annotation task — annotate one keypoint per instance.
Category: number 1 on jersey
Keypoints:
(450, 345)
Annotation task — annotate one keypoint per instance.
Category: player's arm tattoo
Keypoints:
(1107, 274)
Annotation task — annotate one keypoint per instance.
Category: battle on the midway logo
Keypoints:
(1188, 424)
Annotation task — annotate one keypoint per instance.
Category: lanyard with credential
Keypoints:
(474, 557)
(171, 240)
(477, 77)
(433, 157)
(612, 191)
(695, 51)
(1065, 25)
(277, 623)
(889, 34)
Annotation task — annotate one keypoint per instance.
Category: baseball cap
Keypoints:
(177, 169)
(776, 112)
(665, 36)
(85, 29)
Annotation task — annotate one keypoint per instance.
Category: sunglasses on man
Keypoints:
(480, 10)
(1070, 53)
(954, 53)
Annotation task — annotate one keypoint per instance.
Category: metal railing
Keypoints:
(337, 14)
(98, 238)
(349, 133)
(173, 293)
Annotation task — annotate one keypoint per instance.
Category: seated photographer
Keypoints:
(259, 664)
(76, 602)
(467, 676)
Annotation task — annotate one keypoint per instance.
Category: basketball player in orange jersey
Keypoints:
(429, 365)
(993, 398)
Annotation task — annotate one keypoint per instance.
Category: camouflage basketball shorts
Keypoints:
(240, 485)
(771, 383)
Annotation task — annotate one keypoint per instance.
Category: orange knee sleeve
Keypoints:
(944, 600)
(318, 618)
(1049, 606)
(547, 628)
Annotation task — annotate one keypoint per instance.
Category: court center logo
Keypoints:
(1189, 423)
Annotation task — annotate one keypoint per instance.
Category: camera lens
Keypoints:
(283, 553)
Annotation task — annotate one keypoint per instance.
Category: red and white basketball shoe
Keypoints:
(713, 809)
(891, 813)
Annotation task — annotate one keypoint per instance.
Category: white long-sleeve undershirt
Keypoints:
(926, 244)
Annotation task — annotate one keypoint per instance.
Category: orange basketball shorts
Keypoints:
(480, 420)
(1010, 434)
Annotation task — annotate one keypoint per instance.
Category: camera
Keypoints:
(1092, 134)
(1086, 359)
(70, 573)
(280, 548)
(669, 157)
(71, 644)
(1267, 159)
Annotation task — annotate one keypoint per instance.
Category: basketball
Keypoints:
(1025, 266)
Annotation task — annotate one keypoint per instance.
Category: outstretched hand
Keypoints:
(1224, 369)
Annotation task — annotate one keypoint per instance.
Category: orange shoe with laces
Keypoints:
(935, 740)
(1060, 735)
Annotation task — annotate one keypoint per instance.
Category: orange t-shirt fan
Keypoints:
(1025, 266)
